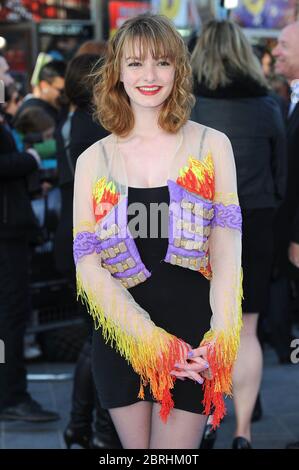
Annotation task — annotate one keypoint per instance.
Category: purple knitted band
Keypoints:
(85, 243)
(118, 216)
(177, 212)
(131, 272)
(227, 216)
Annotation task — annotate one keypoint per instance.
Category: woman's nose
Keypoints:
(149, 73)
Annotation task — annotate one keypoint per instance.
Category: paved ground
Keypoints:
(280, 424)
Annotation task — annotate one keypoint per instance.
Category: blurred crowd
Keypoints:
(249, 93)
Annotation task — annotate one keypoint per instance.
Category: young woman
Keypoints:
(172, 347)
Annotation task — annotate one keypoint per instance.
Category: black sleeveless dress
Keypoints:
(176, 298)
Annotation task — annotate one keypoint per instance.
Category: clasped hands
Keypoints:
(194, 367)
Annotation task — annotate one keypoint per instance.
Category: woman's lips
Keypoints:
(149, 90)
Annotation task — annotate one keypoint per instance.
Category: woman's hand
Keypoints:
(195, 367)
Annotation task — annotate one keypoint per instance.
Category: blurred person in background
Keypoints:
(13, 101)
(76, 133)
(93, 47)
(37, 127)
(265, 57)
(49, 93)
(286, 55)
(9, 109)
(233, 97)
(278, 84)
(17, 222)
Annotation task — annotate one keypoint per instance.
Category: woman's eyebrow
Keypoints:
(133, 57)
(162, 56)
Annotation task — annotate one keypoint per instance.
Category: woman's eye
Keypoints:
(164, 63)
(134, 64)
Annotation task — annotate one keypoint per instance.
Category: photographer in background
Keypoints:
(16, 224)
(48, 94)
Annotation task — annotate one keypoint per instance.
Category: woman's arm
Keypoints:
(220, 344)
(222, 340)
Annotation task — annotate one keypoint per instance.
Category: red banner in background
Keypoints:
(44, 10)
(120, 11)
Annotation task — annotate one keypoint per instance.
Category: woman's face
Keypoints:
(13, 104)
(148, 82)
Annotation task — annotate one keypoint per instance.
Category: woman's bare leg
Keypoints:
(183, 430)
(247, 375)
(133, 424)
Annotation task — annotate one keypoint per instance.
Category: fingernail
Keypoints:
(200, 382)
(206, 365)
(190, 354)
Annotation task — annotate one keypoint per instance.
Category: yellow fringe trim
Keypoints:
(222, 352)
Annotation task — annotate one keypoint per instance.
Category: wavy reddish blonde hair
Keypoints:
(146, 32)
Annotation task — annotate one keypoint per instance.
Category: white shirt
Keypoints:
(294, 95)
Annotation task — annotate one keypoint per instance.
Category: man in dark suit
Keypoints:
(286, 54)
(16, 223)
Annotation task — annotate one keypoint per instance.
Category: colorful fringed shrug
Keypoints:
(204, 235)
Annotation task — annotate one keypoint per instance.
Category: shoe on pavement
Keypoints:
(28, 410)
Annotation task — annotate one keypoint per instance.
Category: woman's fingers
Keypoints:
(200, 351)
(188, 374)
(179, 374)
(196, 377)
(197, 364)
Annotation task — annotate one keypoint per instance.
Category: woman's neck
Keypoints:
(146, 122)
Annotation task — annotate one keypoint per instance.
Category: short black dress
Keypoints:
(176, 298)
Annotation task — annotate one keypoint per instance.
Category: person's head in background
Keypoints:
(13, 100)
(50, 86)
(79, 81)
(223, 55)
(265, 57)
(35, 128)
(36, 122)
(93, 47)
(286, 52)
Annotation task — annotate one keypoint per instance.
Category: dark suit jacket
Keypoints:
(293, 179)
(287, 219)
(16, 215)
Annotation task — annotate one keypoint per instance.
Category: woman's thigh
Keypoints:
(133, 424)
(183, 429)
